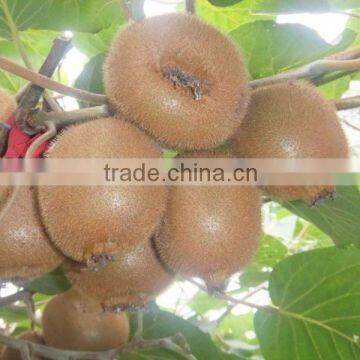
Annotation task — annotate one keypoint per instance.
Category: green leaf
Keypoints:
(50, 284)
(229, 18)
(272, 250)
(37, 45)
(13, 314)
(335, 89)
(91, 78)
(318, 298)
(296, 6)
(236, 327)
(201, 303)
(76, 15)
(254, 275)
(163, 324)
(95, 44)
(309, 237)
(339, 218)
(271, 48)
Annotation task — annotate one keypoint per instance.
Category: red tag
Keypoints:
(19, 142)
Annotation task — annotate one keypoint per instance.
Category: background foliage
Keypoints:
(311, 276)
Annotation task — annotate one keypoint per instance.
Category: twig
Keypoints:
(190, 6)
(346, 55)
(347, 103)
(169, 343)
(231, 306)
(347, 13)
(50, 133)
(47, 83)
(315, 69)
(228, 297)
(31, 98)
(22, 295)
(126, 9)
(37, 119)
(140, 326)
(4, 137)
(351, 125)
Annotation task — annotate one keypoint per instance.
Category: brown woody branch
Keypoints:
(313, 70)
(76, 116)
(190, 6)
(173, 343)
(31, 97)
(47, 83)
(62, 119)
(347, 103)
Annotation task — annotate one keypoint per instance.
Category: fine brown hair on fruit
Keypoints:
(210, 232)
(13, 354)
(25, 251)
(72, 321)
(7, 105)
(179, 79)
(131, 281)
(291, 120)
(90, 223)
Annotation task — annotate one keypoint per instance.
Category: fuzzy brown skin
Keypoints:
(210, 232)
(140, 83)
(86, 222)
(7, 105)
(131, 281)
(12, 354)
(291, 120)
(72, 321)
(25, 250)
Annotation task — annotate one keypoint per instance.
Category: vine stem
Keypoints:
(354, 127)
(229, 298)
(37, 119)
(168, 343)
(347, 103)
(232, 305)
(315, 69)
(47, 83)
(67, 118)
(190, 6)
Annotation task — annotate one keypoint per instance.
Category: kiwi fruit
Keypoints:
(13, 354)
(130, 282)
(210, 232)
(7, 105)
(178, 79)
(90, 223)
(72, 321)
(25, 251)
(291, 120)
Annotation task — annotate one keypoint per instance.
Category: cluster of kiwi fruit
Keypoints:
(172, 82)
(73, 321)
